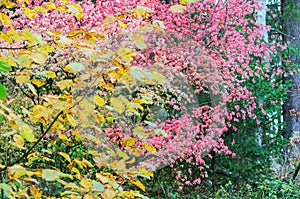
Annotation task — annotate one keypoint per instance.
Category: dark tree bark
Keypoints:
(291, 108)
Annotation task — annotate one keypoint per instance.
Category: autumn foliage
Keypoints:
(98, 95)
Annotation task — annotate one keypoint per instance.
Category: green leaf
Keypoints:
(158, 77)
(50, 175)
(4, 67)
(73, 9)
(51, 74)
(97, 186)
(76, 66)
(238, 28)
(34, 37)
(160, 132)
(117, 105)
(5, 187)
(3, 91)
(160, 23)
(178, 8)
(140, 44)
(26, 132)
(137, 73)
(8, 195)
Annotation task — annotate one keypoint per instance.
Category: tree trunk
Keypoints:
(261, 20)
(292, 104)
(291, 108)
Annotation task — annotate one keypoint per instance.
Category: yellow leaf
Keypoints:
(39, 113)
(108, 86)
(122, 154)
(64, 2)
(31, 14)
(108, 20)
(79, 163)
(18, 140)
(13, 124)
(27, 133)
(187, 1)
(86, 106)
(178, 8)
(47, 151)
(140, 44)
(140, 101)
(40, 9)
(90, 38)
(92, 152)
(145, 172)
(71, 120)
(9, 4)
(31, 87)
(138, 184)
(86, 163)
(128, 142)
(121, 24)
(75, 170)
(86, 183)
(24, 61)
(158, 77)
(109, 193)
(90, 196)
(130, 194)
(146, 28)
(61, 9)
(38, 173)
(149, 147)
(69, 69)
(38, 82)
(22, 79)
(16, 171)
(48, 159)
(63, 84)
(105, 177)
(72, 186)
(5, 20)
(117, 105)
(66, 156)
(99, 101)
(39, 58)
(131, 161)
(50, 6)
(6, 38)
(129, 106)
(33, 37)
(126, 54)
(36, 192)
(76, 10)
(99, 119)
(45, 48)
(50, 175)
(142, 11)
(63, 136)
(50, 74)
(10, 62)
(23, 193)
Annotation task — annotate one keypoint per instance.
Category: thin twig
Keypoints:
(26, 94)
(17, 48)
(162, 187)
(32, 147)
(287, 35)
